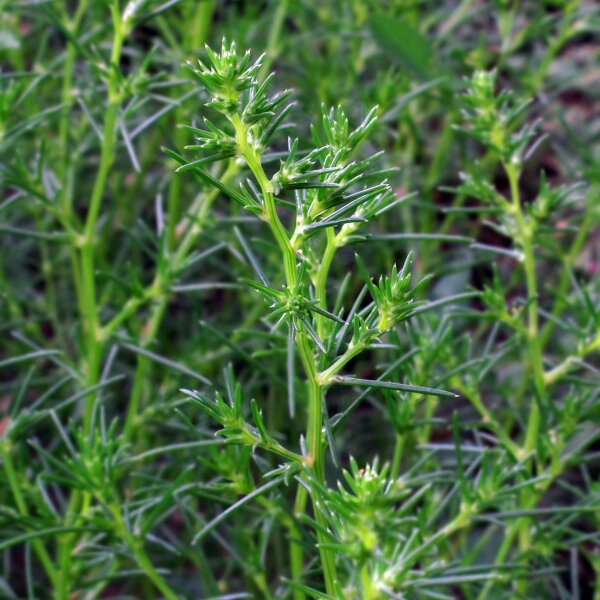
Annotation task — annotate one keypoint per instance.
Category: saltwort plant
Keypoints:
(113, 480)
(383, 537)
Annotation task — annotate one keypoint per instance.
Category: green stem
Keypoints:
(67, 101)
(314, 436)
(149, 332)
(295, 544)
(368, 589)
(314, 443)
(526, 233)
(140, 555)
(565, 33)
(533, 341)
(514, 530)
(269, 215)
(65, 549)
(474, 397)
(555, 374)
(86, 283)
(64, 127)
(200, 24)
(328, 375)
(13, 482)
(88, 275)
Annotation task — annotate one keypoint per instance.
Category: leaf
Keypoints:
(407, 98)
(304, 588)
(29, 356)
(419, 237)
(214, 182)
(51, 236)
(444, 301)
(160, 451)
(222, 516)
(392, 385)
(258, 420)
(252, 259)
(404, 44)
(40, 533)
(165, 361)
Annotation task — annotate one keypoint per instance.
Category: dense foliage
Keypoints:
(326, 332)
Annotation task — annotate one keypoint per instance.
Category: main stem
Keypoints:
(88, 275)
(85, 279)
(533, 341)
(315, 392)
(526, 232)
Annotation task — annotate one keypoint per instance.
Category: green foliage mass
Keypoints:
(299, 300)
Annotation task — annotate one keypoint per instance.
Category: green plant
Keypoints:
(329, 191)
(523, 472)
(191, 360)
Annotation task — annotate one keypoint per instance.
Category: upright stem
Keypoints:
(65, 172)
(84, 265)
(67, 100)
(397, 459)
(566, 31)
(314, 436)
(88, 275)
(65, 548)
(141, 558)
(513, 530)
(589, 222)
(149, 332)
(526, 233)
(533, 341)
(314, 442)
(13, 482)
(270, 209)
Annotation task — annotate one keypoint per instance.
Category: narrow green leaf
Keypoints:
(175, 448)
(420, 237)
(50, 236)
(392, 385)
(216, 183)
(258, 421)
(222, 516)
(165, 361)
(50, 531)
(29, 356)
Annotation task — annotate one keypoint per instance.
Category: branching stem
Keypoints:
(314, 435)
